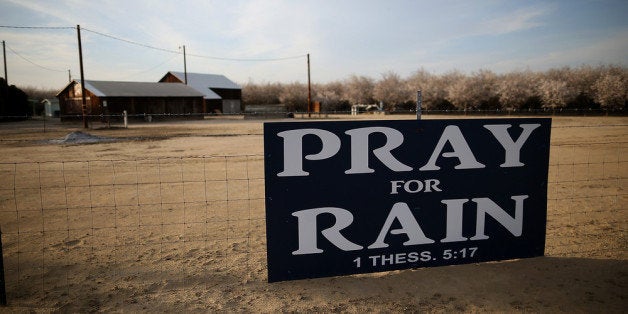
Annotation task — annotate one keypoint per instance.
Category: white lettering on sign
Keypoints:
(484, 206)
(409, 226)
(500, 131)
(293, 150)
(307, 227)
(462, 151)
(360, 148)
(416, 186)
(307, 230)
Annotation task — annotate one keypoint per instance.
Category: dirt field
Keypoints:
(170, 217)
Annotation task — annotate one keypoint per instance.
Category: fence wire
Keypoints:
(70, 227)
(587, 200)
(144, 227)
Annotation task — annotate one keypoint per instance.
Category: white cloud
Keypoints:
(347, 37)
(522, 19)
(271, 28)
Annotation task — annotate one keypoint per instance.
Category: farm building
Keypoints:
(220, 93)
(51, 107)
(137, 98)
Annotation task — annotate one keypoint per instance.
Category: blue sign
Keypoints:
(367, 196)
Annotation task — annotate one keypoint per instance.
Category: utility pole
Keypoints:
(309, 88)
(78, 32)
(185, 67)
(69, 76)
(5, 87)
(4, 53)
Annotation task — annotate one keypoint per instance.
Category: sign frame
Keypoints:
(350, 197)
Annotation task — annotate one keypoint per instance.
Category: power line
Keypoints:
(33, 63)
(130, 42)
(148, 70)
(250, 60)
(149, 47)
(37, 27)
(195, 55)
(158, 48)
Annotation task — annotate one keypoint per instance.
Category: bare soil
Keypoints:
(130, 253)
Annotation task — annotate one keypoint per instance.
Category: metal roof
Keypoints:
(140, 89)
(205, 82)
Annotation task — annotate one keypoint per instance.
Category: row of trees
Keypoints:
(585, 87)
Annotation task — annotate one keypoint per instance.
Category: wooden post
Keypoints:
(309, 88)
(5, 87)
(185, 68)
(4, 54)
(3, 291)
(84, 101)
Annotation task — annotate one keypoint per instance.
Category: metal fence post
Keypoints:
(419, 102)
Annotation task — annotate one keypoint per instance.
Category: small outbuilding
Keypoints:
(137, 98)
(220, 93)
(51, 107)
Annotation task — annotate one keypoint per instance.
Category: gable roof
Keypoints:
(205, 82)
(138, 89)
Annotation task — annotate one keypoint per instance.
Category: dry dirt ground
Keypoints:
(95, 227)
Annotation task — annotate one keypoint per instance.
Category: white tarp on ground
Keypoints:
(78, 137)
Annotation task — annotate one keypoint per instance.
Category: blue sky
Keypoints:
(342, 37)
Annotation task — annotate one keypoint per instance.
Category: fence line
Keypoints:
(587, 213)
(115, 220)
(81, 230)
(119, 117)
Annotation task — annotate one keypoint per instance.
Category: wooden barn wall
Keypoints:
(180, 107)
(71, 103)
(140, 106)
(169, 78)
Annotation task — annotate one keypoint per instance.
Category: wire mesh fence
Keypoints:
(266, 112)
(70, 227)
(587, 200)
(144, 227)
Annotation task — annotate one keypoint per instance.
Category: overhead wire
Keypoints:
(177, 52)
(248, 59)
(37, 27)
(158, 48)
(33, 63)
(130, 41)
(195, 55)
(152, 68)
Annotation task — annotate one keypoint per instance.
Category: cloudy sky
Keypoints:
(267, 40)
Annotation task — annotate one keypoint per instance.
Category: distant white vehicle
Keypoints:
(355, 109)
